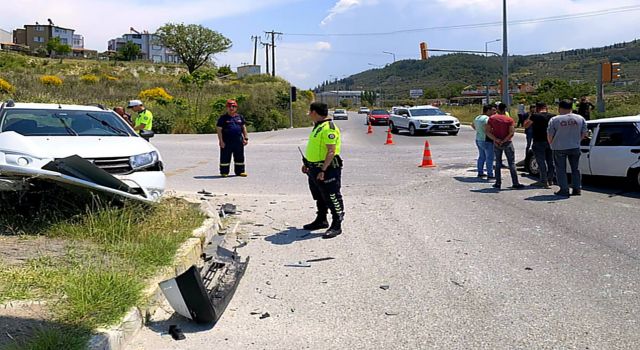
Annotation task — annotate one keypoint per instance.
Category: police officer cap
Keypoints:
(134, 103)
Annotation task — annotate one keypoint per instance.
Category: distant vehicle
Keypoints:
(363, 110)
(612, 148)
(423, 119)
(379, 116)
(340, 114)
(84, 146)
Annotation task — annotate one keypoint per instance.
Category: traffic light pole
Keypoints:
(600, 90)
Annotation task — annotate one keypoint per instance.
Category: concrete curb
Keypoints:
(117, 336)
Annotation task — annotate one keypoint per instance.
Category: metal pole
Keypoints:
(600, 92)
(505, 57)
(486, 90)
(392, 54)
(291, 107)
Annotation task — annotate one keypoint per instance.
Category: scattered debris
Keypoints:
(206, 257)
(176, 332)
(272, 296)
(384, 287)
(229, 209)
(268, 283)
(205, 192)
(299, 264)
(293, 310)
(391, 313)
(457, 283)
(258, 225)
(528, 269)
(264, 315)
(255, 313)
(241, 245)
(320, 259)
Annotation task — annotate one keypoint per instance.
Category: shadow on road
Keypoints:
(186, 326)
(486, 190)
(546, 198)
(210, 177)
(291, 235)
(471, 179)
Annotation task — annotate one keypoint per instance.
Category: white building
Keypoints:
(78, 41)
(6, 37)
(150, 48)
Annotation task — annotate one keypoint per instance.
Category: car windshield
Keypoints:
(421, 112)
(340, 111)
(379, 112)
(58, 122)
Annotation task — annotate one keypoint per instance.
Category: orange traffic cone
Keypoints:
(370, 128)
(427, 162)
(389, 138)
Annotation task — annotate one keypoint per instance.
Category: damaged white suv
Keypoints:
(78, 147)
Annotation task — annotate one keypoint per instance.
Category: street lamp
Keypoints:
(392, 54)
(486, 53)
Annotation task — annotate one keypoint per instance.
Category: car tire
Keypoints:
(634, 178)
(412, 130)
(452, 133)
(393, 128)
(532, 166)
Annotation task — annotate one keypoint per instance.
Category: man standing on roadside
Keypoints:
(564, 134)
(538, 123)
(144, 121)
(232, 137)
(522, 114)
(585, 107)
(500, 129)
(485, 146)
(323, 166)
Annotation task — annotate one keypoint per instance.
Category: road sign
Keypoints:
(416, 93)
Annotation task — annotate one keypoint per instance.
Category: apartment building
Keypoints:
(150, 48)
(36, 36)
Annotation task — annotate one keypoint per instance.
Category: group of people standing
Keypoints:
(553, 139)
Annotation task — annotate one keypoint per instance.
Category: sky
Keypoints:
(318, 44)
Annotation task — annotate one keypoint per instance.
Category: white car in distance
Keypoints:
(423, 119)
(340, 114)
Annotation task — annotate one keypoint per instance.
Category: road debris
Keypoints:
(205, 192)
(528, 269)
(321, 259)
(391, 313)
(176, 332)
(457, 283)
(264, 315)
(384, 287)
(299, 264)
(229, 209)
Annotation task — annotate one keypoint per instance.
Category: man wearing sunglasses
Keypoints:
(232, 137)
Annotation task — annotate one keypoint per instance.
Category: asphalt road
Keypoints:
(467, 267)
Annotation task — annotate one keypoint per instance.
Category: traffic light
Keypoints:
(615, 71)
(424, 54)
(294, 94)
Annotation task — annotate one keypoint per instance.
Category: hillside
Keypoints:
(441, 73)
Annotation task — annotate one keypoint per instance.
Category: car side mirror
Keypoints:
(448, 113)
(146, 134)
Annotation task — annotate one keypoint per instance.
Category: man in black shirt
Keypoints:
(585, 107)
(538, 123)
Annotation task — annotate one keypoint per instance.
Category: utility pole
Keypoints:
(273, 50)
(505, 57)
(255, 49)
(600, 90)
(266, 46)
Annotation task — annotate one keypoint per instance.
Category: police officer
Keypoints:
(323, 166)
(144, 121)
(232, 137)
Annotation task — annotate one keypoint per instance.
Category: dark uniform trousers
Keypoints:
(235, 149)
(327, 193)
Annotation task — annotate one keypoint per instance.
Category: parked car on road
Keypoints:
(379, 116)
(612, 148)
(423, 119)
(363, 110)
(83, 146)
(340, 114)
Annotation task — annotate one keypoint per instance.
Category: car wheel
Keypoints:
(393, 128)
(452, 133)
(412, 130)
(634, 178)
(532, 166)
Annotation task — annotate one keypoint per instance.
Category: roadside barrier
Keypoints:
(427, 162)
(389, 138)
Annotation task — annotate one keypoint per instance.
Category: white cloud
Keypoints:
(323, 45)
(343, 6)
(100, 21)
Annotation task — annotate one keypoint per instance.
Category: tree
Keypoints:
(194, 44)
(54, 46)
(128, 52)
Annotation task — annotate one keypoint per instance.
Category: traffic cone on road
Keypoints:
(427, 162)
(370, 128)
(389, 138)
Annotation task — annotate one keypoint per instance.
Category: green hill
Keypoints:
(446, 75)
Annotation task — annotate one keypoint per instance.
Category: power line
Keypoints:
(482, 25)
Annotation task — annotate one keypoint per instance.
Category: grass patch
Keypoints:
(111, 252)
(59, 337)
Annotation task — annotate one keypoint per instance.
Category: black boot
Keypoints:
(319, 223)
(334, 230)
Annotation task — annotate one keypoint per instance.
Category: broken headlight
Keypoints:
(143, 160)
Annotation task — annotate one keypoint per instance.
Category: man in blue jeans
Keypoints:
(500, 129)
(564, 134)
(484, 144)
